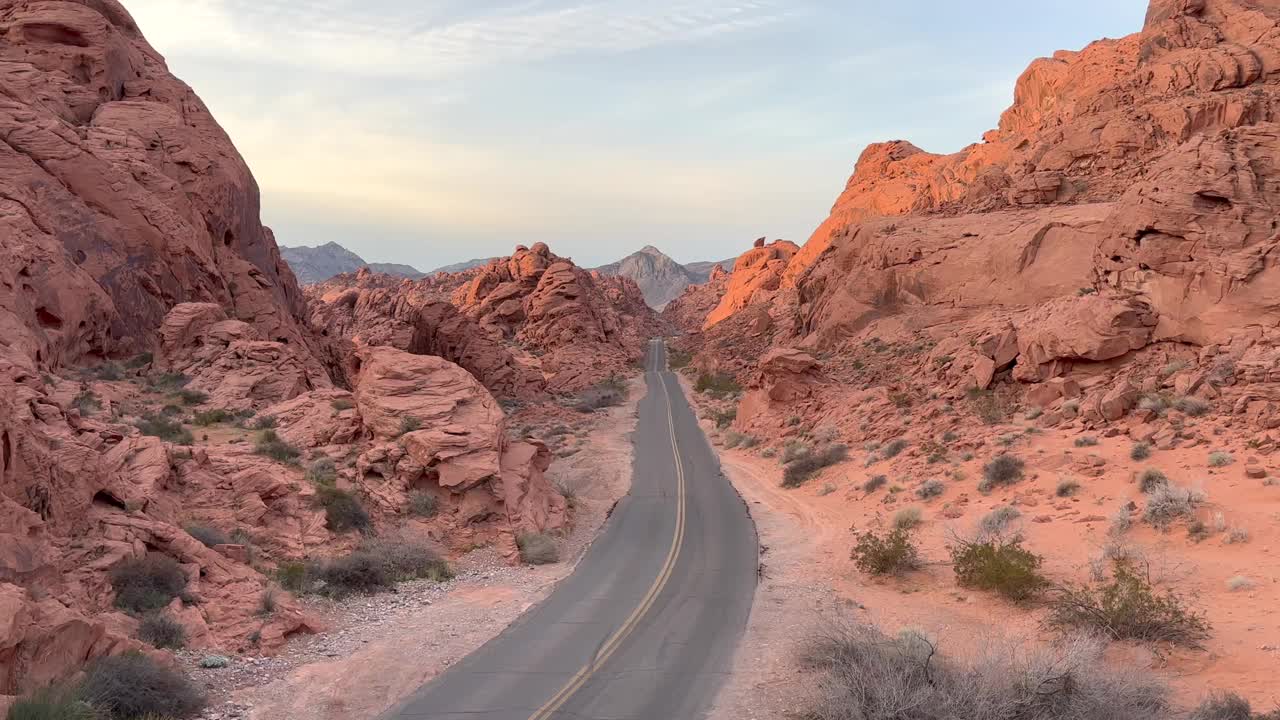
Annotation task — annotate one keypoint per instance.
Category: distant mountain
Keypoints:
(317, 264)
(660, 278)
(462, 266)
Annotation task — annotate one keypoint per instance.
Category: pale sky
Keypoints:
(432, 131)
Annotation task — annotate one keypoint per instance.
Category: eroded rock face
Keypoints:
(757, 273)
(122, 197)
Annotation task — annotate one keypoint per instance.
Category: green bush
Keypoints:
(271, 445)
(1000, 566)
(51, 703)
(1000, 471)
(1127, 607)
(343, 511)
(537, 549)
(147, 583)
(322, 472)
(133, 686)
(804, 468)
(210, 536)
(423, 504)
(162, 631)
(891, 554)
(717, 385)
(205, 418)
(165, 429)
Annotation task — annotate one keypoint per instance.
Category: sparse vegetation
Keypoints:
(1157, 403)
(988, 406)
(409, 560)
(269, 444)
(359, 572)
(1001, 471)
(1240, 583)
(1167, 503)
(210, 536)
(323, 472)
(1140, 451)
(678, 359)
(52, 703)
(1193, 407)
(1151, 479)
(609, 393)
(931, 489)
(168, 382)
(343, 511)
(997, 523)
(1002, 566)
(162, 631)
(1086, 441)
(724, 418)
(1228, 706)
(908, 518)
(1067, 488)
(888, 555)
(192, 397)
(205, 418)
(868, 676)
(267, 602)
(794, 450)
(1237, 536)
(422, 504)
(1128, 607)
(803, 468)
(147, 583)
(874, 483)
(87, 402)
(717, 385)
(134, 687)
(294, 576)
(1220, 459)
(165, 429)
(537, 549)
(893, 449)
(265, 422)
(341, 404)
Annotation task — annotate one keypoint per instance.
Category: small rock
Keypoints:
(1255, 471)
(211, 662)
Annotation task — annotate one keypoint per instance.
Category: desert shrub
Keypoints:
(679, 359)
(1067, 488)
(795, 450)
(1155, 402)
(271, 445)
(133, 686)
(609, 393)
(210, 536)
(874, 483)
(52, 703)
(931, 489)
(1167, 503)
(341, 404)
(140, 360)
(294, 576)
(908, 518)
(359, 572)
(267, 602)
(322, 472)
(162, 631)
(1237, 536)
(408, 560)
(168, 382)
(1140, 451)
(724, 418)
(1000, 566)
(737, 439)
(1240, 583)
(87, 402)
(537, 549)
(887, 555)
(265, 422)
(1000, 471)
(997, 522)
(147, 583)
(1128, 607)
(1151, 479)
(1195, 407)
(343, 511)
(865, 675)
(205, 418)
(1086, 441)
(1223, 706)
(1220, 459)
(165, 429)
(893, 449)
(988, 406)
(423, 504)
(192, 397)
(804, 468)
(716, 384)
(109, 372)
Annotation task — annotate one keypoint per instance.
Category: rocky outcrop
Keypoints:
(689, 311)
(660, 278)
(121, 196)
(757, 274)
(316, 264)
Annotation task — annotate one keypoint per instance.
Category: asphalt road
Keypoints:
(646, 626)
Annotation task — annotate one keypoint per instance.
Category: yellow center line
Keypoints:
(611, 645)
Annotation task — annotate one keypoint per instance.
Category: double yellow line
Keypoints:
(611, 645)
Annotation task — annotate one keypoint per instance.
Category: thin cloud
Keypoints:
(420, 39)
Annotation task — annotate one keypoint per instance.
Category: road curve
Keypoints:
(646, 626)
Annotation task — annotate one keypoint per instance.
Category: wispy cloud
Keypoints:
(431, 38)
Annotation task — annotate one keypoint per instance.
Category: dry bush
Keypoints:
(1140, 451)
(803, 468)
(406, 560)
(147, 583)
(1150, 479)
(908, 518)
(1001, 471)
(1128, 607)
(209, 536)
(343, 511)
(1167, 503)
(538, 549)
(271, 445)
(51, 703)
(133, 686)
(865, 675)
(998, 522)
(874, 483)
(931, 489)
(162, 631)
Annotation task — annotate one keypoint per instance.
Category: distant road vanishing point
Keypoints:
(646, 626)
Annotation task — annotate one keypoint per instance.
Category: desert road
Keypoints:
(646, 626)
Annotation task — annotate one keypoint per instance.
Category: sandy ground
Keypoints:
(810, 578)
(380, 649)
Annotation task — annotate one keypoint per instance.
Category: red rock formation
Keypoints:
(756, 275)
(122, 197)
(689, 311)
